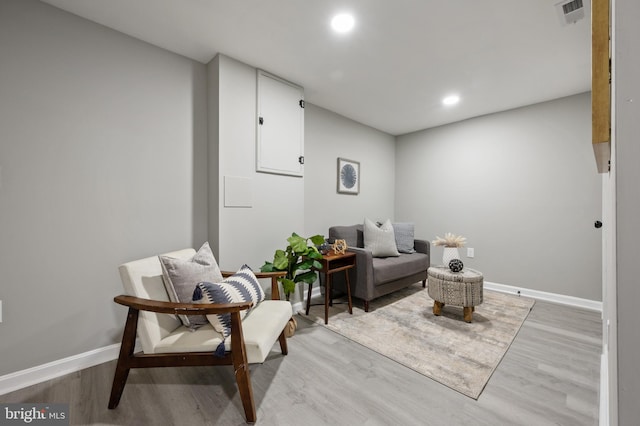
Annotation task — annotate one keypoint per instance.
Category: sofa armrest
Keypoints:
(422, 246)
(362, 255)
(364, 273)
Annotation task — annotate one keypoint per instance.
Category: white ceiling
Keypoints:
(393, 69)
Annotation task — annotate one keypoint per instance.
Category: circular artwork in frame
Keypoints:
(348, 176)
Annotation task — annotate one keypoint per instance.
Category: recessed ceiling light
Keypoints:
(342, 23)
(451, 100)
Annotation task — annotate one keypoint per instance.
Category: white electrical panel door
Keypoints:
(280, 124)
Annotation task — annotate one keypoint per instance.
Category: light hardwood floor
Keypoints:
(549, 376)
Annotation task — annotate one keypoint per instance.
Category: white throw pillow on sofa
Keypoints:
(381, 241)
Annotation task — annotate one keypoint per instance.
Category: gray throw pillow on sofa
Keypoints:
(381, 241)
(404, 237)
(181, 276)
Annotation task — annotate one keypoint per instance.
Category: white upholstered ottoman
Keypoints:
(462, 288)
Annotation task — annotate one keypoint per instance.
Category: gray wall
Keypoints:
(327, 137)
(103, 160)
(520, 185)
(627, 129)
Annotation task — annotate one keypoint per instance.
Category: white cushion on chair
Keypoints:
(143, 278)
(261, 329)
(183, 339)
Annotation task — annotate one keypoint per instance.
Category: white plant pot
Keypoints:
(448, 254)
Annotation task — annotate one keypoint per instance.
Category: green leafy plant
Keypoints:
(299, 260)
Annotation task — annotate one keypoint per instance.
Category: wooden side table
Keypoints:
(332, 263)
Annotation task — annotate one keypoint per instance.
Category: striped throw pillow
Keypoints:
(243, 286)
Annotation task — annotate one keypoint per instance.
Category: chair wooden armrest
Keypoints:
(275, 291)
(180, 308)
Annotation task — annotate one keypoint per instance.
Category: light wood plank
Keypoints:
(600, 84)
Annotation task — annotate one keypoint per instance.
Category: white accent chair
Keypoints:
(167, 343)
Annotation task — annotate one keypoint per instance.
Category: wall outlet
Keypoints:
(470, 252)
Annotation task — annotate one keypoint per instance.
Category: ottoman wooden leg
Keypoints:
(437, 307)
(468, 313)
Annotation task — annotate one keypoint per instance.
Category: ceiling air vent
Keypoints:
(570, 11)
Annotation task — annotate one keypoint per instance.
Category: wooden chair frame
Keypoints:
(236, 357)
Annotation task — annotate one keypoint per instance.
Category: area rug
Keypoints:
(402, 327)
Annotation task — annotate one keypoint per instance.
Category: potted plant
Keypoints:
(450, 242)
(299, 260)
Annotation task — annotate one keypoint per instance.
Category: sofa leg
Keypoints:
(424, 283)
(366, 306)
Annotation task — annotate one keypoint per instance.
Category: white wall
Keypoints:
(627, 129)
(521, 185)
(327, 137)
(103, 160)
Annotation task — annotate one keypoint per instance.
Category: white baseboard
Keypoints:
(31, 376)
(302, 305)
(604, 388)
(543, 295)
(503, 288)
(51, 370)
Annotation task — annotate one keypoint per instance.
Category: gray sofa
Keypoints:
(376, 276)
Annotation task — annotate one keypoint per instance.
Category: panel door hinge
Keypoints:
(301, 159)
(301, 103)
(260, 121)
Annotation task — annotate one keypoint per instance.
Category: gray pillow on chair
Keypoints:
(181, 277)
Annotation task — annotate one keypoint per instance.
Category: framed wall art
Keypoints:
(348, 176)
